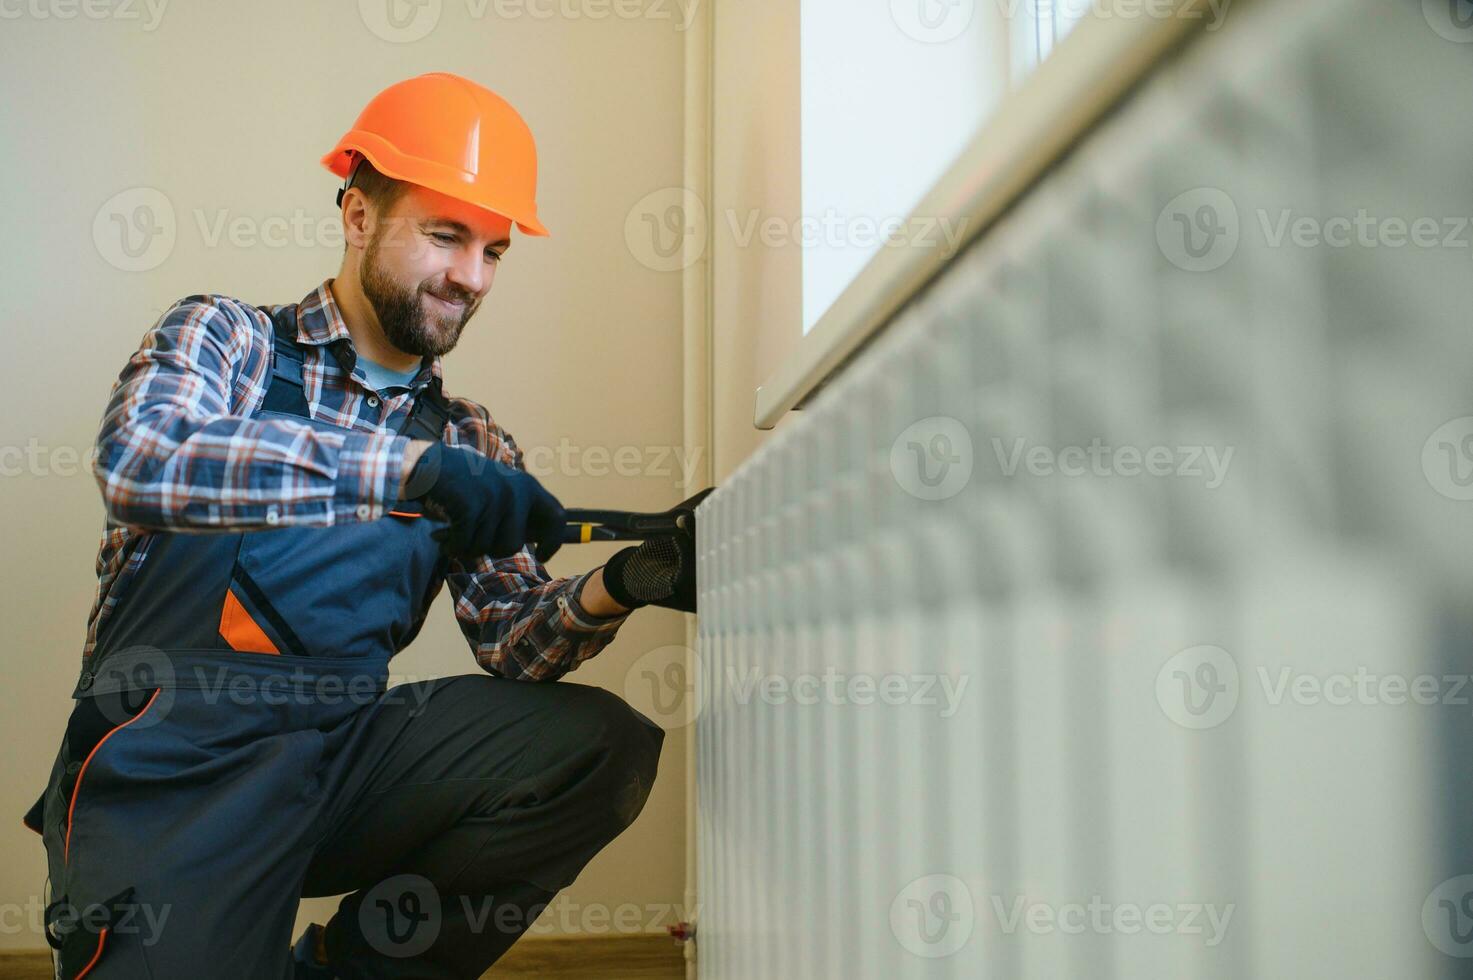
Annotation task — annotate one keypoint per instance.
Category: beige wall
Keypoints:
(224, 109)
(757, 289)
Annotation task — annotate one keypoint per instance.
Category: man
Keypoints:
(287, 489)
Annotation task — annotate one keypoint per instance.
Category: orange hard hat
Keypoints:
(451, 135)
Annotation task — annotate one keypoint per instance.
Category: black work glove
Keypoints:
(492, 508)
(661, 571)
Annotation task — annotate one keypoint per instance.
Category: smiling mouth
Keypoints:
(448, 304)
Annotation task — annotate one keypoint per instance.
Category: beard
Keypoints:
(402, 312)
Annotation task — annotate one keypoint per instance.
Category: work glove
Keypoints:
(491, 508)
(660, 571)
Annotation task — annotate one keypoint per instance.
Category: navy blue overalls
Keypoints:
(234, 667)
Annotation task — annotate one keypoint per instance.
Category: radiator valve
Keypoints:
(682, 932)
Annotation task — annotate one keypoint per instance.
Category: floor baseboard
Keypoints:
(639, 957)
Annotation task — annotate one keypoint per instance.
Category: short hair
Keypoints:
(383, 192)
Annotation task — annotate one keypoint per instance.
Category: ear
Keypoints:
(356, 229)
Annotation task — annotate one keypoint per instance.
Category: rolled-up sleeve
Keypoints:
(520, 622)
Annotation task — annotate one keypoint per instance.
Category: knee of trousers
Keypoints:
(629, 745)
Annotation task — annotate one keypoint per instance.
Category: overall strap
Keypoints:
(430, 415)
(287, 392)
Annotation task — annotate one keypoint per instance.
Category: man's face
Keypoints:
(426, 266)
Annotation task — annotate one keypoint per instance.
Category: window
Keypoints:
(1037, 26)
(892, 91)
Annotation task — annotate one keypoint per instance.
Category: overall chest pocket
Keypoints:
(355, 589)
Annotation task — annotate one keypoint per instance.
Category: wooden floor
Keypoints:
(581, 958)
(596, 958)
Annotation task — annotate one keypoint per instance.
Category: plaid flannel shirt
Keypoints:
(178, 451)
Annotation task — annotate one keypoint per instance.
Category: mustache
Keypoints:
(453, 296)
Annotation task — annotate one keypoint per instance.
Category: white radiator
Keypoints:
(1107, 617)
